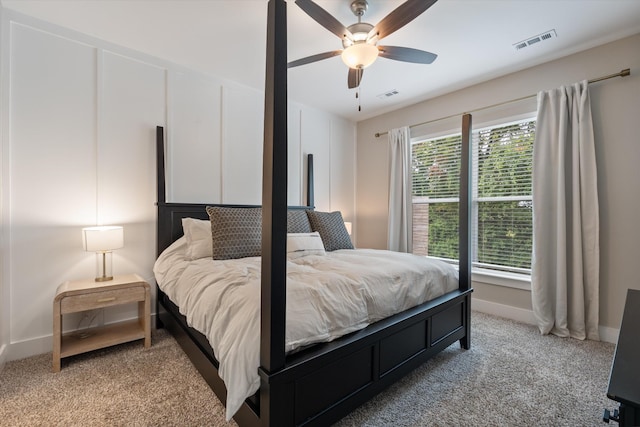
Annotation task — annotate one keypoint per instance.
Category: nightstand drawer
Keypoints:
(93, 300)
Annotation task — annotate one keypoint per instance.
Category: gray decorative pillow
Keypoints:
(331, 228)
(297, 221)
(235, 232)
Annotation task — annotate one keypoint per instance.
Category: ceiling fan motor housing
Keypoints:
(359, 7)
(360, 32)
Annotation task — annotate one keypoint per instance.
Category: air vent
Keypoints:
(547, 35)
(388, 94)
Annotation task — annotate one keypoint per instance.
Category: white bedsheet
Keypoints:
(327, 297)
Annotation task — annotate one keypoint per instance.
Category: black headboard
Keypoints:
(170, 214)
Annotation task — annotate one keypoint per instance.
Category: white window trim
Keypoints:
(478, 274)
(501, 278)
(494, 277)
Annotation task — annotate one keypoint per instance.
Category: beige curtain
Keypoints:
(400, 228)
(565, 261)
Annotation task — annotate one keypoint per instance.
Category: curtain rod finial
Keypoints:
(625, 72)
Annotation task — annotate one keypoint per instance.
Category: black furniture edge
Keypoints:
(624, 379)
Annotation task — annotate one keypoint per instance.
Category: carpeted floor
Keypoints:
(512, 376)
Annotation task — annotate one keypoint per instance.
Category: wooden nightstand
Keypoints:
(81, 295)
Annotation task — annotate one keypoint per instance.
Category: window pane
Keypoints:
(435, 183)
(505, 233)
(435, 229)
(443, 230)
(436, 167)
(504, 160)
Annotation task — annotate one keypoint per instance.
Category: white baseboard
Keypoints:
(502, 310)
(3, 356)
(35, 346)
(523, 315)
(31, 347)
(608, 334)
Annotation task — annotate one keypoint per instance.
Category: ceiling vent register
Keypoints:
(388, 94)
(547, 35)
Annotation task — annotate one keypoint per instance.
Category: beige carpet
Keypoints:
(512, 376)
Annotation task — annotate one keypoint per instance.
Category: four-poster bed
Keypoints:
(321, 383)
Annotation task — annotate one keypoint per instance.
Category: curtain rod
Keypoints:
(623, 73)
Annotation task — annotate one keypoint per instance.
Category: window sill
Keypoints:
(495, 277)
(501, 278)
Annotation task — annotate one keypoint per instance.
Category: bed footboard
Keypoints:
(323, 383)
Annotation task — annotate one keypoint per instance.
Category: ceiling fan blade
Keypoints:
(406, 54)
(325, 19)
(313, 58)
(355, 77)
(400, 17)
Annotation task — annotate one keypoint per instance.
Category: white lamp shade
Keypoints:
(102, 238)
(360, 55)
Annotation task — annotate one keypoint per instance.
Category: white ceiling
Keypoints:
(473, 39)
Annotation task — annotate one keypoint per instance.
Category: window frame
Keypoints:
(508, 277)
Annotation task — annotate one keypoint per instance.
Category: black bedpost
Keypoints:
(310, 195)
(274, 217)
(464, 235)
(465, 205)
(161, 196)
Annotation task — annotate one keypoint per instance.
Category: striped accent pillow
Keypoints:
(303, 244)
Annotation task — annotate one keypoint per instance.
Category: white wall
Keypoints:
(4, 294)
(616, 109)
(82, 117)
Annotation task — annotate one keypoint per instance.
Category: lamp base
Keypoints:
(104, 270)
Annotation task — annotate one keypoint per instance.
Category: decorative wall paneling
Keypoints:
(81, 119)
(4, 287)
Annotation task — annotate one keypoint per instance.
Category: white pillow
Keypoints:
(198, 235)
(303, 244)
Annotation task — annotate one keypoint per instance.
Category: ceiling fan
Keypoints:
(360, 40)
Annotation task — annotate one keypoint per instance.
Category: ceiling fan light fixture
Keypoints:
(360, 40)
(359, 55)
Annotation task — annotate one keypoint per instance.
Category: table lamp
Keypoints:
(102, 240)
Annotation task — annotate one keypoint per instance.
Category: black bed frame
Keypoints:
(320, 384)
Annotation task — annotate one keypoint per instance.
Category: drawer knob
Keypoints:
(107, 299)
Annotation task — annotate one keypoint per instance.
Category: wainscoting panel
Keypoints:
(194, 138)
(343, 158)
(296, 172)
(242, 135)
(316, 139)
(52, 188)
(132, 102)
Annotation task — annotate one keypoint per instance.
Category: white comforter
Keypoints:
(327, 297)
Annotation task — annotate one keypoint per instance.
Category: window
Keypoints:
(502, 202)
